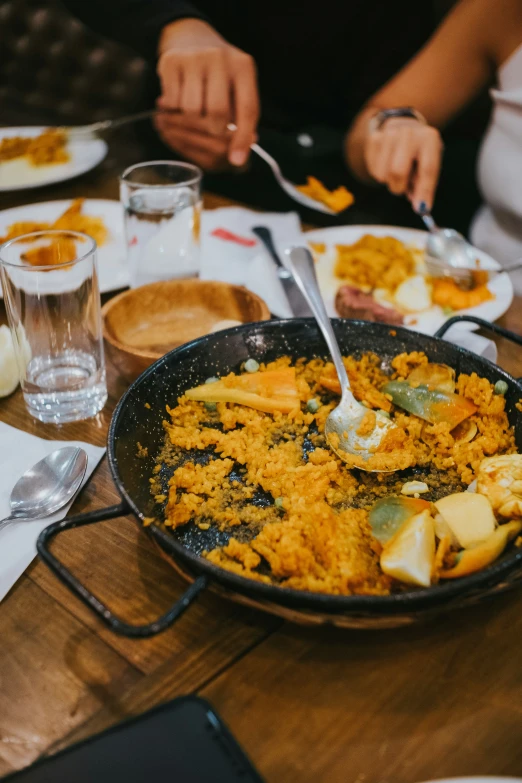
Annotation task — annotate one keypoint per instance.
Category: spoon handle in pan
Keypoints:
(303, 269)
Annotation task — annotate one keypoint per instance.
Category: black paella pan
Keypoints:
(221, 353)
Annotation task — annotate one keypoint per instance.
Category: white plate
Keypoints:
(426, 322)
(112, 265)
(18, 174)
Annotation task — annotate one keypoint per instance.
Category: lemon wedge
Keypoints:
(409, 555)
(9, 377)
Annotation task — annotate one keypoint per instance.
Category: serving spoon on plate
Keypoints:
(343, 429)
(448, 254)
(446, 246)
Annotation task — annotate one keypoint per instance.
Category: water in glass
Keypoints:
(162, 217)
(54, 315)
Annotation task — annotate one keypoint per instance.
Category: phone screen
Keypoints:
(183, 741)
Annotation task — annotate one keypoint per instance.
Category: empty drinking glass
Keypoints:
(50, 285)
(162, 203)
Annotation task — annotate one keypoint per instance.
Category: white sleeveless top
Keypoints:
(497, 226)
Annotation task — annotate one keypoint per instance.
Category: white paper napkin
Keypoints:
(232, 253)
(18, 452)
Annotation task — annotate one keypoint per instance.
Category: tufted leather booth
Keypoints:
(53, 67)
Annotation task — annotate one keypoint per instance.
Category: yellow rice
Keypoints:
(317, 536)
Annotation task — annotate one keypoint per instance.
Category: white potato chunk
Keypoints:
(409, 555)
(443, 530)
(469, 516)
(413, 295)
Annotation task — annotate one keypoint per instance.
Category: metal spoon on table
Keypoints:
(47, 486)
(345, 420)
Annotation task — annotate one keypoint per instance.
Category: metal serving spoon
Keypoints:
(448, 254)
(446, 246)
(463, 276)
(47, 486)
(344, 421)
(88, 131)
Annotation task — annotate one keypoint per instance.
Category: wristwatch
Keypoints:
(378, 120)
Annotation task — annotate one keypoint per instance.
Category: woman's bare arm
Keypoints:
(444, 76)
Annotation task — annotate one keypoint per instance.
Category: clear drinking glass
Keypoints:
(50, 286)
(162, 203)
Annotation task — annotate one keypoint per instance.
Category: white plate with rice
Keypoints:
(20, 174)
(426, 321)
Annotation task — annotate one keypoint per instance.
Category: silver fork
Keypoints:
(78, 131)
(289, 188)
(88, 131)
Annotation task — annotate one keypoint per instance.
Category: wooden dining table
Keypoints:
(308, 704)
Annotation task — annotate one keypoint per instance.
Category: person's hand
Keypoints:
(406, 156)
(211, 84)
(193, 138)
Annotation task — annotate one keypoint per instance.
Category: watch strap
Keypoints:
(378, 120)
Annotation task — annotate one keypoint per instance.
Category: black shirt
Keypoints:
(318, 60)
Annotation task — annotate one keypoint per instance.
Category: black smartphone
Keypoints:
(183, 741)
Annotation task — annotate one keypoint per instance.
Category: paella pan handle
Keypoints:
(515, 338)
(94, 603)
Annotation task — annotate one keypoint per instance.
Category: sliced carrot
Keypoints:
(332, 384)
(271, 383)
(270, 391)
(361, 388)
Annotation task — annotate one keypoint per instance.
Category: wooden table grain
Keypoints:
(397, 706)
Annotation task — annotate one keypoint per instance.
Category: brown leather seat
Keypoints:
(55, 69)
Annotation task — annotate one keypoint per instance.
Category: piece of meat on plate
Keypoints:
(351, 302)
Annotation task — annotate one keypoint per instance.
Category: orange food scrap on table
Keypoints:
(338, 199)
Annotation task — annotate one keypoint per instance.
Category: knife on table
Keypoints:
(296, 300)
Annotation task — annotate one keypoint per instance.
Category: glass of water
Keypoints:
(50, 286)
(162, 204)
